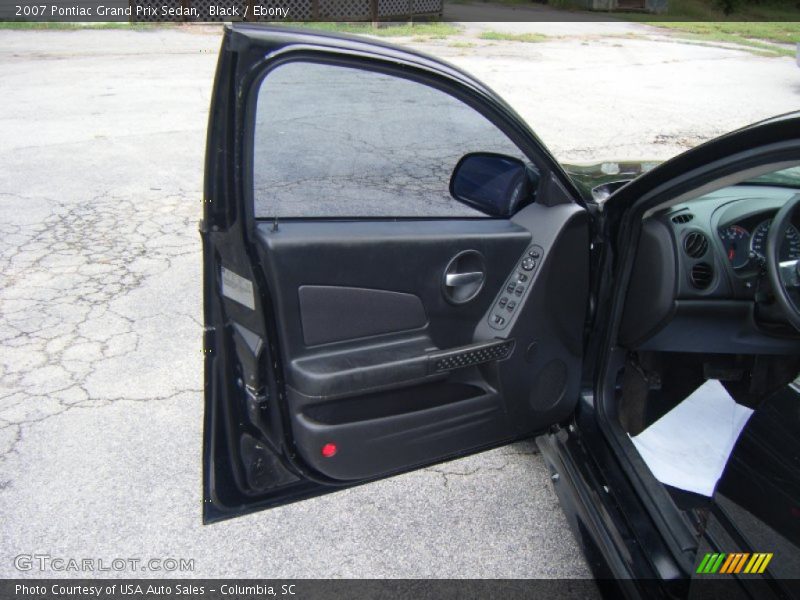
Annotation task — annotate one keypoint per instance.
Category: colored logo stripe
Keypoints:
(758, 563)
(711, 563)
(701, 568)
(731, 560)
(736, 562)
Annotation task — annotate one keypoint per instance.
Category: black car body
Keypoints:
(343, 348)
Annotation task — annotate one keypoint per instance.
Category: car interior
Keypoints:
(705, 392)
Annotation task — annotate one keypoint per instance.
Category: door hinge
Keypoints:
(257, 402)
(258, 397)
(209, 340)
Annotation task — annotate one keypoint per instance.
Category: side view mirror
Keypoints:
(493, 183)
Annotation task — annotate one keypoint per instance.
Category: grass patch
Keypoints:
(782, 33)
(711, 10)
(420, 31)
(427, 30)
(567, 4)
(75, 25)
(529, 38)
(751, 46)
(757, 26)
(461, 45)
(761, 38)
(514, 3)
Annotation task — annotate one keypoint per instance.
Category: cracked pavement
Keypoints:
(100, 345)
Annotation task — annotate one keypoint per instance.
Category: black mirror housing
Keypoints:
(495, 184)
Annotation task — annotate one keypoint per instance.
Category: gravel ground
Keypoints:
(100, 368)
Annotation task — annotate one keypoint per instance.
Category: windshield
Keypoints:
(787, 178)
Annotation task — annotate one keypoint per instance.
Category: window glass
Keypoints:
(335, 141)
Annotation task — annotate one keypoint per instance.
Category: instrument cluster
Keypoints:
(745, 242)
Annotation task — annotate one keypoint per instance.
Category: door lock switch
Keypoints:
(512, 297)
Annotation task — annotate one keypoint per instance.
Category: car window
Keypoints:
(334, 141)
(786, 177)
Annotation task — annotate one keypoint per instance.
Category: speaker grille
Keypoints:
(468, 358)
(549, 386)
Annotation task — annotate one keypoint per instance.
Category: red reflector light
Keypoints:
(328, 450)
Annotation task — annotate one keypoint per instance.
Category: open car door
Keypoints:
(396, 271)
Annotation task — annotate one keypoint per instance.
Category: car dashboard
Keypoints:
(699, 271)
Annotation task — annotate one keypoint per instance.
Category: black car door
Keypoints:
(395, 269)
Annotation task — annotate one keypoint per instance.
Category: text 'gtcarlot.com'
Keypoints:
(47, 562)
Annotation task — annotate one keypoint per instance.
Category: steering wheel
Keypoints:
(783, 275)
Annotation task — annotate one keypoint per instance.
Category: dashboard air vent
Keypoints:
(682, 218)
(695, 244)
(702, 275)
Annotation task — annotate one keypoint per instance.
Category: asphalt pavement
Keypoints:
(100, 310)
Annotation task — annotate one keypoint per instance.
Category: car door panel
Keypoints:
(407, 257)
(376, 396)
(380, 397)
(390, 442)
(342, 350)
(360, 312)
(542, 378)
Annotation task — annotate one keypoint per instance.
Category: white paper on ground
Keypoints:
(689, 446)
